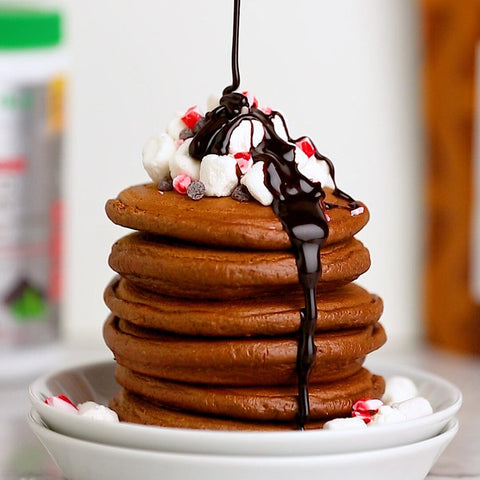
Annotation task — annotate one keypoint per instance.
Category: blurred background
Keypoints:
(349, 74)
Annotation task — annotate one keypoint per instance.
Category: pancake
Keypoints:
(219, 222)
(259, 404)
(348, 307)
(240, 361)
(184, 270)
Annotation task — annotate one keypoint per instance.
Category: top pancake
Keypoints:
(218, 221)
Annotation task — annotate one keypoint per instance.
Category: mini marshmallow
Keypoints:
(414, 407)
(387, 415)
(183, 163)
(175, 126)
(316, 171)
(280, 127)
(398, 389)
(97, 412)
(258, 133)
(300, 158)
(156, 156)
(350, 423)
(241, 138)
(219, 175)
(254, 180)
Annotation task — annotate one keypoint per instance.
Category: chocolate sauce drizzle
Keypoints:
(297, 201)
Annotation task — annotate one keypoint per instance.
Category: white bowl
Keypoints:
(96, 382)
(83, 460)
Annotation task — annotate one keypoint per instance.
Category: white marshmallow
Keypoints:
(349, 423)
(156, 156)
(254, 180)
(317, 171)
(176, 126)
(398, 389)
(258, 133)
(301, 158)
(97, 412)
(280, 127)
(387, 415)
(414, 407)
(241, 138)
(182, 162)
(213, 101)
(219, 175)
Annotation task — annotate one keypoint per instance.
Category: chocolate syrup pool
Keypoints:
(297, 201)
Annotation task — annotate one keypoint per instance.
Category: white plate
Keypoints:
(82, 460)
(96, 382)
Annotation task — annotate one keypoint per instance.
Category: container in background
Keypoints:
(452, 104)
(32, 69)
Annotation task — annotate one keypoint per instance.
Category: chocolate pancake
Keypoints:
(348, 307)
(237, 361)
(184, 270)
(219, 222)
(330, 402)
(258, 403)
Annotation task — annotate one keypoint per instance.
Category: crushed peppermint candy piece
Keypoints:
(61, 402)
(244, 161)
(366, 408)
(192, 116)
(181, 183)
(196, 190)
(357, 211)
(306, 146)
(327, 217)
(266, 110)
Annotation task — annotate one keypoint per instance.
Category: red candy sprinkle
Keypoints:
(266, 110)
(306, 147)
(244, 155)
(181, 183)
(192, 116)
(366, 408)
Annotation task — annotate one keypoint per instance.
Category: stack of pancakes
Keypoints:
(206, 313)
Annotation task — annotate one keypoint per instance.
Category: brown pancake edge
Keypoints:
(218, 221)
(348, 307)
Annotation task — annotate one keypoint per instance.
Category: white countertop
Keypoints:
(23, 458)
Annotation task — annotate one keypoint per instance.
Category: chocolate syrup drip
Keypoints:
(236, 33)
(297, 201)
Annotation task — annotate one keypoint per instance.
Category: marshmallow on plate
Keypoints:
(97, 412)
(415, 407)
(387, 415)
(349, 423)
(398, 389)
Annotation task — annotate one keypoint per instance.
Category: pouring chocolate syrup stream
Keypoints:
(297, 201)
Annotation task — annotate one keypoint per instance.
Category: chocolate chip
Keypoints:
(241, 194)
(186, 133)
(200, 124)
(196, 190)
(165, 185)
